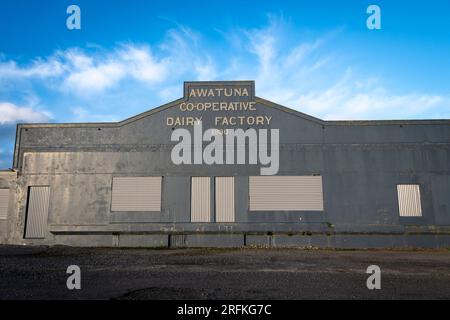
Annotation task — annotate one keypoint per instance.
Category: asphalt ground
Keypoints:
(248, 274)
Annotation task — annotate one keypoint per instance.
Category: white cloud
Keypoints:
(83, 115)
(95, 79)
(10, 113)
(171, 93)
(290, 69)
(347, 100)
(306, 77)
(85, 74)
(96, 73)
(38, 68)
(206, 70)
(142, 65)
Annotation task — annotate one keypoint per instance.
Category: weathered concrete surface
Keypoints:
(8, 181)
(361, 163)
(40, 273)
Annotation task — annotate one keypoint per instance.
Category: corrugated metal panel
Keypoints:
(286, 193)
(37, 213)
(200, 199)
(136, 194)
(224, 199)
(4, 200)
(409, 204)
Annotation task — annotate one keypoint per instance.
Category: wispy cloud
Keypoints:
(10, 113)
(85, 72)
(94, 79)
(351, 99)
(308, 76)
(300, 70)
(83, 115)
(301, 73)
(38, 68)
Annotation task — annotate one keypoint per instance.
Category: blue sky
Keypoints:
(314, 56)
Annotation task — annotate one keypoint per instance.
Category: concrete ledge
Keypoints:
(86, 240)
(328, 241)
(251, 234)
(188, 227)
(148, 240)
(240, 228)
(355, 241)
(215, 240)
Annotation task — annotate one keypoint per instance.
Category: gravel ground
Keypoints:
(40, 273)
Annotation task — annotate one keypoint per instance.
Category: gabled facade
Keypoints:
(337, 183)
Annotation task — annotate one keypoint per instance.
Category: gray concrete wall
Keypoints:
(361, 164)
(8, 181)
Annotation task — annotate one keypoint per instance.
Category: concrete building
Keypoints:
(336, 183)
